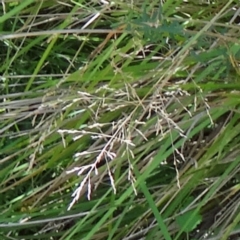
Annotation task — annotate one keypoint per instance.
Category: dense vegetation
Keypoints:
(120, 119)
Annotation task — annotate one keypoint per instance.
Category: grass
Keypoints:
(119, 120)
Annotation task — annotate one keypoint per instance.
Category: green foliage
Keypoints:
(119, 120)
(192, 224)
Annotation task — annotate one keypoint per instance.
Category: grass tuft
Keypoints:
(119, 120)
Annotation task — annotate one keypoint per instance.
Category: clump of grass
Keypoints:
(119, 120)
